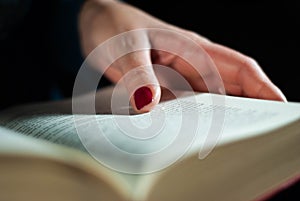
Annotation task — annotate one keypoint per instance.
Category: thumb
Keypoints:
(140, 80)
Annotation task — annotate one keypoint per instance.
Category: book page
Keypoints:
(236, 117)
(51, 121)
(247, 169)
(243, 118)
(32, 169)
(154, 141)
(247, 117)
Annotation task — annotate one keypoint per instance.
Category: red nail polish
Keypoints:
(142, 97)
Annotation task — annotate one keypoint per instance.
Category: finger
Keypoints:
(187, 58)
(196, 81)
(238, 69)
(140, 80)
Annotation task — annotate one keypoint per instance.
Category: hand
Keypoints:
(100, 20)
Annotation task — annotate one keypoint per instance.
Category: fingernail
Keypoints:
(142, 97)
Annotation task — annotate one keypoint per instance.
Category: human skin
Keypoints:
(100, 20)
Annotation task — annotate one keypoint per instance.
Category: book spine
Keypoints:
(276, 192)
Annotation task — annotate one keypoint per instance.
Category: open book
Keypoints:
(241, 149)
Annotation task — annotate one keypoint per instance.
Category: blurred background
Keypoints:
(40, 52)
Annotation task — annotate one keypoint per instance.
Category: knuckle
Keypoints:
(250, 62)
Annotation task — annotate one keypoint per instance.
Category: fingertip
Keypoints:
(145, 98)
(142, 97)
(279, 95)
(272, 93)
(283, 98)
